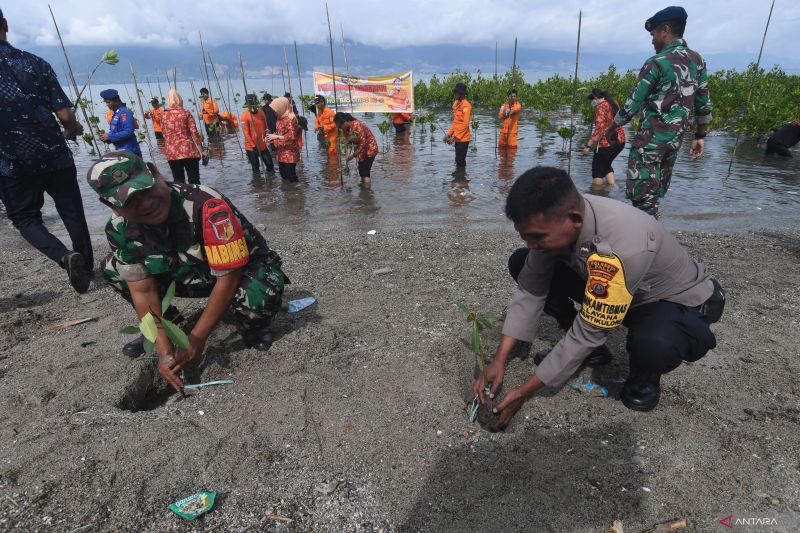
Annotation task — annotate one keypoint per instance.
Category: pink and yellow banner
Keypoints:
(391, 93)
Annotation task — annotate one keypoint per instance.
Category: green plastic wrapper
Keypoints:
(193, 506)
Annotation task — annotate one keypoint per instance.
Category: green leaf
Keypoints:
(149, 347)
(167, 301)
(485, 322)
(475, 341)
(174, 334)
(463, 307)
(148, 327)
(129, 330)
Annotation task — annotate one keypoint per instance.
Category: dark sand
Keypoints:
(355, 419)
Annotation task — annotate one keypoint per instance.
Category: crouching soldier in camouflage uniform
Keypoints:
(190, 234)
(671, 85)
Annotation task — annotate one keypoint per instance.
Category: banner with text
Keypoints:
(391, 93)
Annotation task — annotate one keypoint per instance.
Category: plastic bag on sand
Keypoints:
(193, 506)
(582, 384)
(302, 303)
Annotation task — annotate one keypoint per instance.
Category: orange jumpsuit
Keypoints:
(254, 128)
(211, 111)
(156, 115)
(460, 126)
(508, 131)
(324, 120)
(400, 118)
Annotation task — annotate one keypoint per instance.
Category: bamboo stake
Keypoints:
(302, 104)
(158, 80)
(72, 78)
(205, 65)
(196, 109)
(752, 84)
(288, 72)
(347, 70)
(574, 93)
(224, 102)
(283, 80)
(175, 78)
(149, 87)
(252, 125)
(496, 81)
(335, 97)
(141, 109)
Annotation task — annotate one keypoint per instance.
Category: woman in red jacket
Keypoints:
(608, 147)
(182, 142)
(361, 144)
(287, 151)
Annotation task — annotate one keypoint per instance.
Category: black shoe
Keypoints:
(600, 356)
(135, 348)
(641, 391)
(77, 271)
(258, 336)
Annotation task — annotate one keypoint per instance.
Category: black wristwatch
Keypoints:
(699, 135)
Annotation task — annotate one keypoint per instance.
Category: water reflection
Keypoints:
(413, 185)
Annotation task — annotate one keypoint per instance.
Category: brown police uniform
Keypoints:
(625, 268)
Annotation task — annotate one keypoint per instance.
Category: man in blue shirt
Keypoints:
(120, 127)
(35, 159)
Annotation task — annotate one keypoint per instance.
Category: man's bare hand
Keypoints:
(507, 408)
(165, 368)
(184, 357)
(494, 373)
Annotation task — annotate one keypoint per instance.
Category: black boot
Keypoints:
(641, 391)
(600, 356)
(135, 348)
(256, 334)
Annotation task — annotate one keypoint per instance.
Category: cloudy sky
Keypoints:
(714, 26)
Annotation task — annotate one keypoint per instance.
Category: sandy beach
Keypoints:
(355, 420)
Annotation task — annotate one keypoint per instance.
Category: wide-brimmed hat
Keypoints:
(117, 175)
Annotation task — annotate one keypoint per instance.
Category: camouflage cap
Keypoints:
(117, 175)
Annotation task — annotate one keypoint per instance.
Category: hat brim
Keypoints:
(131, 186)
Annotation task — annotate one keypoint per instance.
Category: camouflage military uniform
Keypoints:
(671, 85)
(177, 251)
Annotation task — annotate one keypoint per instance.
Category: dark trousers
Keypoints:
(775, 147)
(287, 171)
(399, 129)
(159, 135)
(461, 154)
(24, 198)
(660, 334)
(191, 167)
(253, 157)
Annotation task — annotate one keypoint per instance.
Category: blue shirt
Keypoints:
(121, 131)
(31, 141)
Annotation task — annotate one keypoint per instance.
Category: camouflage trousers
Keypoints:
(257, 299)
(649, 175)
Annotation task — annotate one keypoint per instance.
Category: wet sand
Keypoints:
(355, 419)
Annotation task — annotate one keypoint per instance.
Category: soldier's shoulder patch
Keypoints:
(223, 238)
(606, 299)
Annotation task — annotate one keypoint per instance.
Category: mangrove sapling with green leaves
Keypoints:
(148, 326)
(108, 58)
(475, 125)
(477, 323)
(566, 133)
(383, 127)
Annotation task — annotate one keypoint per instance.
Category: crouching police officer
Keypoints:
(190, 234)
(622, 267)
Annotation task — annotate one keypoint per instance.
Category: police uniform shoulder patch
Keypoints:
(223, 238)
(606, 299)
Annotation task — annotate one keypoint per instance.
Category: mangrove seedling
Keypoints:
(477, 323)
(566, 133)
(383, 127)
(109, 58)
(148, 326)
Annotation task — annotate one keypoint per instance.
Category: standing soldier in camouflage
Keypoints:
(190, 234)
(671, 85)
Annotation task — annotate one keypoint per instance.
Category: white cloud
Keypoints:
(714, 25)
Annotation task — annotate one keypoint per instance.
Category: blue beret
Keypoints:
(109, 94)
(665, 15)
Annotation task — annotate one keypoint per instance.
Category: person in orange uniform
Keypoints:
(398, 99)
(209, 112)
(509, 113)
(324, 124)
(156, 114)
(400, 121)
(254, 127)
(458, 133)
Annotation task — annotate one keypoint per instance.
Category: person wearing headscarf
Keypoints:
(287, 151)
(608, 142)
(182, 142)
